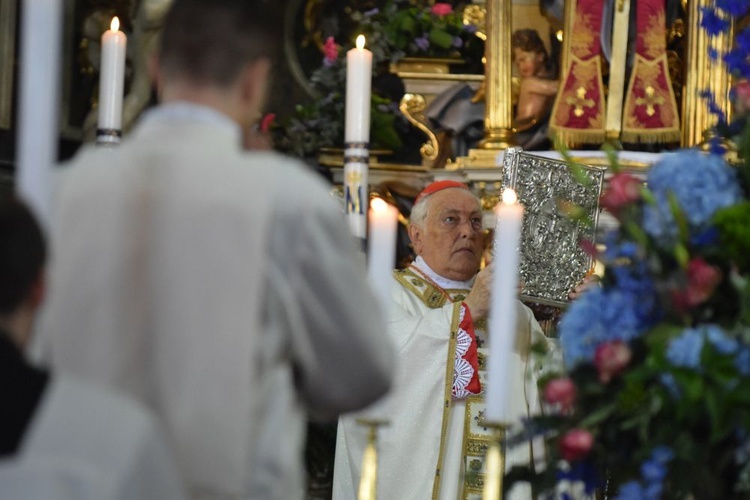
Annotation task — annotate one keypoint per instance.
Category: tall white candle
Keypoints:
(358, 89)
(381, 251)
(357, 136)
(39, 102)
(502, 320)
(112, 80)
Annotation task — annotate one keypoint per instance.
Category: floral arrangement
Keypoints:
(321, 123)
(401, 28)
(654, 397)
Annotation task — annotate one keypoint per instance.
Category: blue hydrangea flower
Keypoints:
(734, 8)
(653, 491)
(614, 249)
(723, 343)
(669, 382)
(712, 22)
(458, 42)
(685, 350)
(701, 185)
(654, 470)
(743, 39)
(422, 42)
(742, 361)
(579, 477)
(737, 62)
(602, 315)
(705, 238)
(714, 109)
(632, 490)
(742, 452)
(662, 454)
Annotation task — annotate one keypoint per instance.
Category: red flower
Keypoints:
(266, 122)
(562, 391)
(330, 51)
(611, 358)
(702, 279)
(623, 190)
(576, 444)
(742, 96)
(442, 9)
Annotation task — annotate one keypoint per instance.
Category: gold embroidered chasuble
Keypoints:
(434, 446)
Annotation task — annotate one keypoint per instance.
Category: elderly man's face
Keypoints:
(451, 240)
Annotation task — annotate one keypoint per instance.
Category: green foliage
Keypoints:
(391, 33)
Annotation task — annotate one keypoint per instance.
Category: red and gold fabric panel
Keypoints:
(650, 111)
(578, 113)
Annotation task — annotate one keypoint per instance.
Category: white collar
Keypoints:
(184, 110)
(444, 283)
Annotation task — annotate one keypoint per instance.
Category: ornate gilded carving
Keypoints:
(552, 260)
(476, 15)
(412, 106)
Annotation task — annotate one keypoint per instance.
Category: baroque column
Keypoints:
(498, 114)
(703, 74)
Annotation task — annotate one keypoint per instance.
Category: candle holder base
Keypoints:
(495, 461)
(108, 136)
(368, 483)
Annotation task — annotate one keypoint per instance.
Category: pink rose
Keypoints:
(266, 122)
(702, 280)
(576, 444)
(611, 358)
(742, 96)
(442, 9)
(330, 51)
(562, 391)
(623, 190)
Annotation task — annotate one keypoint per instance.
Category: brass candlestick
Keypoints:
(494, 462)
(368, 483)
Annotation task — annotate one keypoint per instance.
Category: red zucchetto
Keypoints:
(436, 186)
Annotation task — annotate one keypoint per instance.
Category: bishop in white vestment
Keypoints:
(434, 444)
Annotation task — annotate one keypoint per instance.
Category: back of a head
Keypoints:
(22, 253)
(210, 41)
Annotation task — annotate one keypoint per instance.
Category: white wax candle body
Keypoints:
(381, 251)
(112, 79)
(358, 90)
(39, 102)
(502, 320)
(355, 196)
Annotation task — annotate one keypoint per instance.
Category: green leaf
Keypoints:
(716, 412)
(679, 216)
(681, 255)
(598, 416)
(441, 38)
(611, 152)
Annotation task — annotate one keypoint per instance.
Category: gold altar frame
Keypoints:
(8, 11)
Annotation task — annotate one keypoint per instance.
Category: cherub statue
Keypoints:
(538, 85)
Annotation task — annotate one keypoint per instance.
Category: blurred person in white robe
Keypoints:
(434, 444)
(61, 437)
(218, 285)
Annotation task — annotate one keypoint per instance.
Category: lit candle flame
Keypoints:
(378, 205)
(115, 24)
(361, 42)
(509, 197)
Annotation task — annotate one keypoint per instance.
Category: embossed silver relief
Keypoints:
(552, 260)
